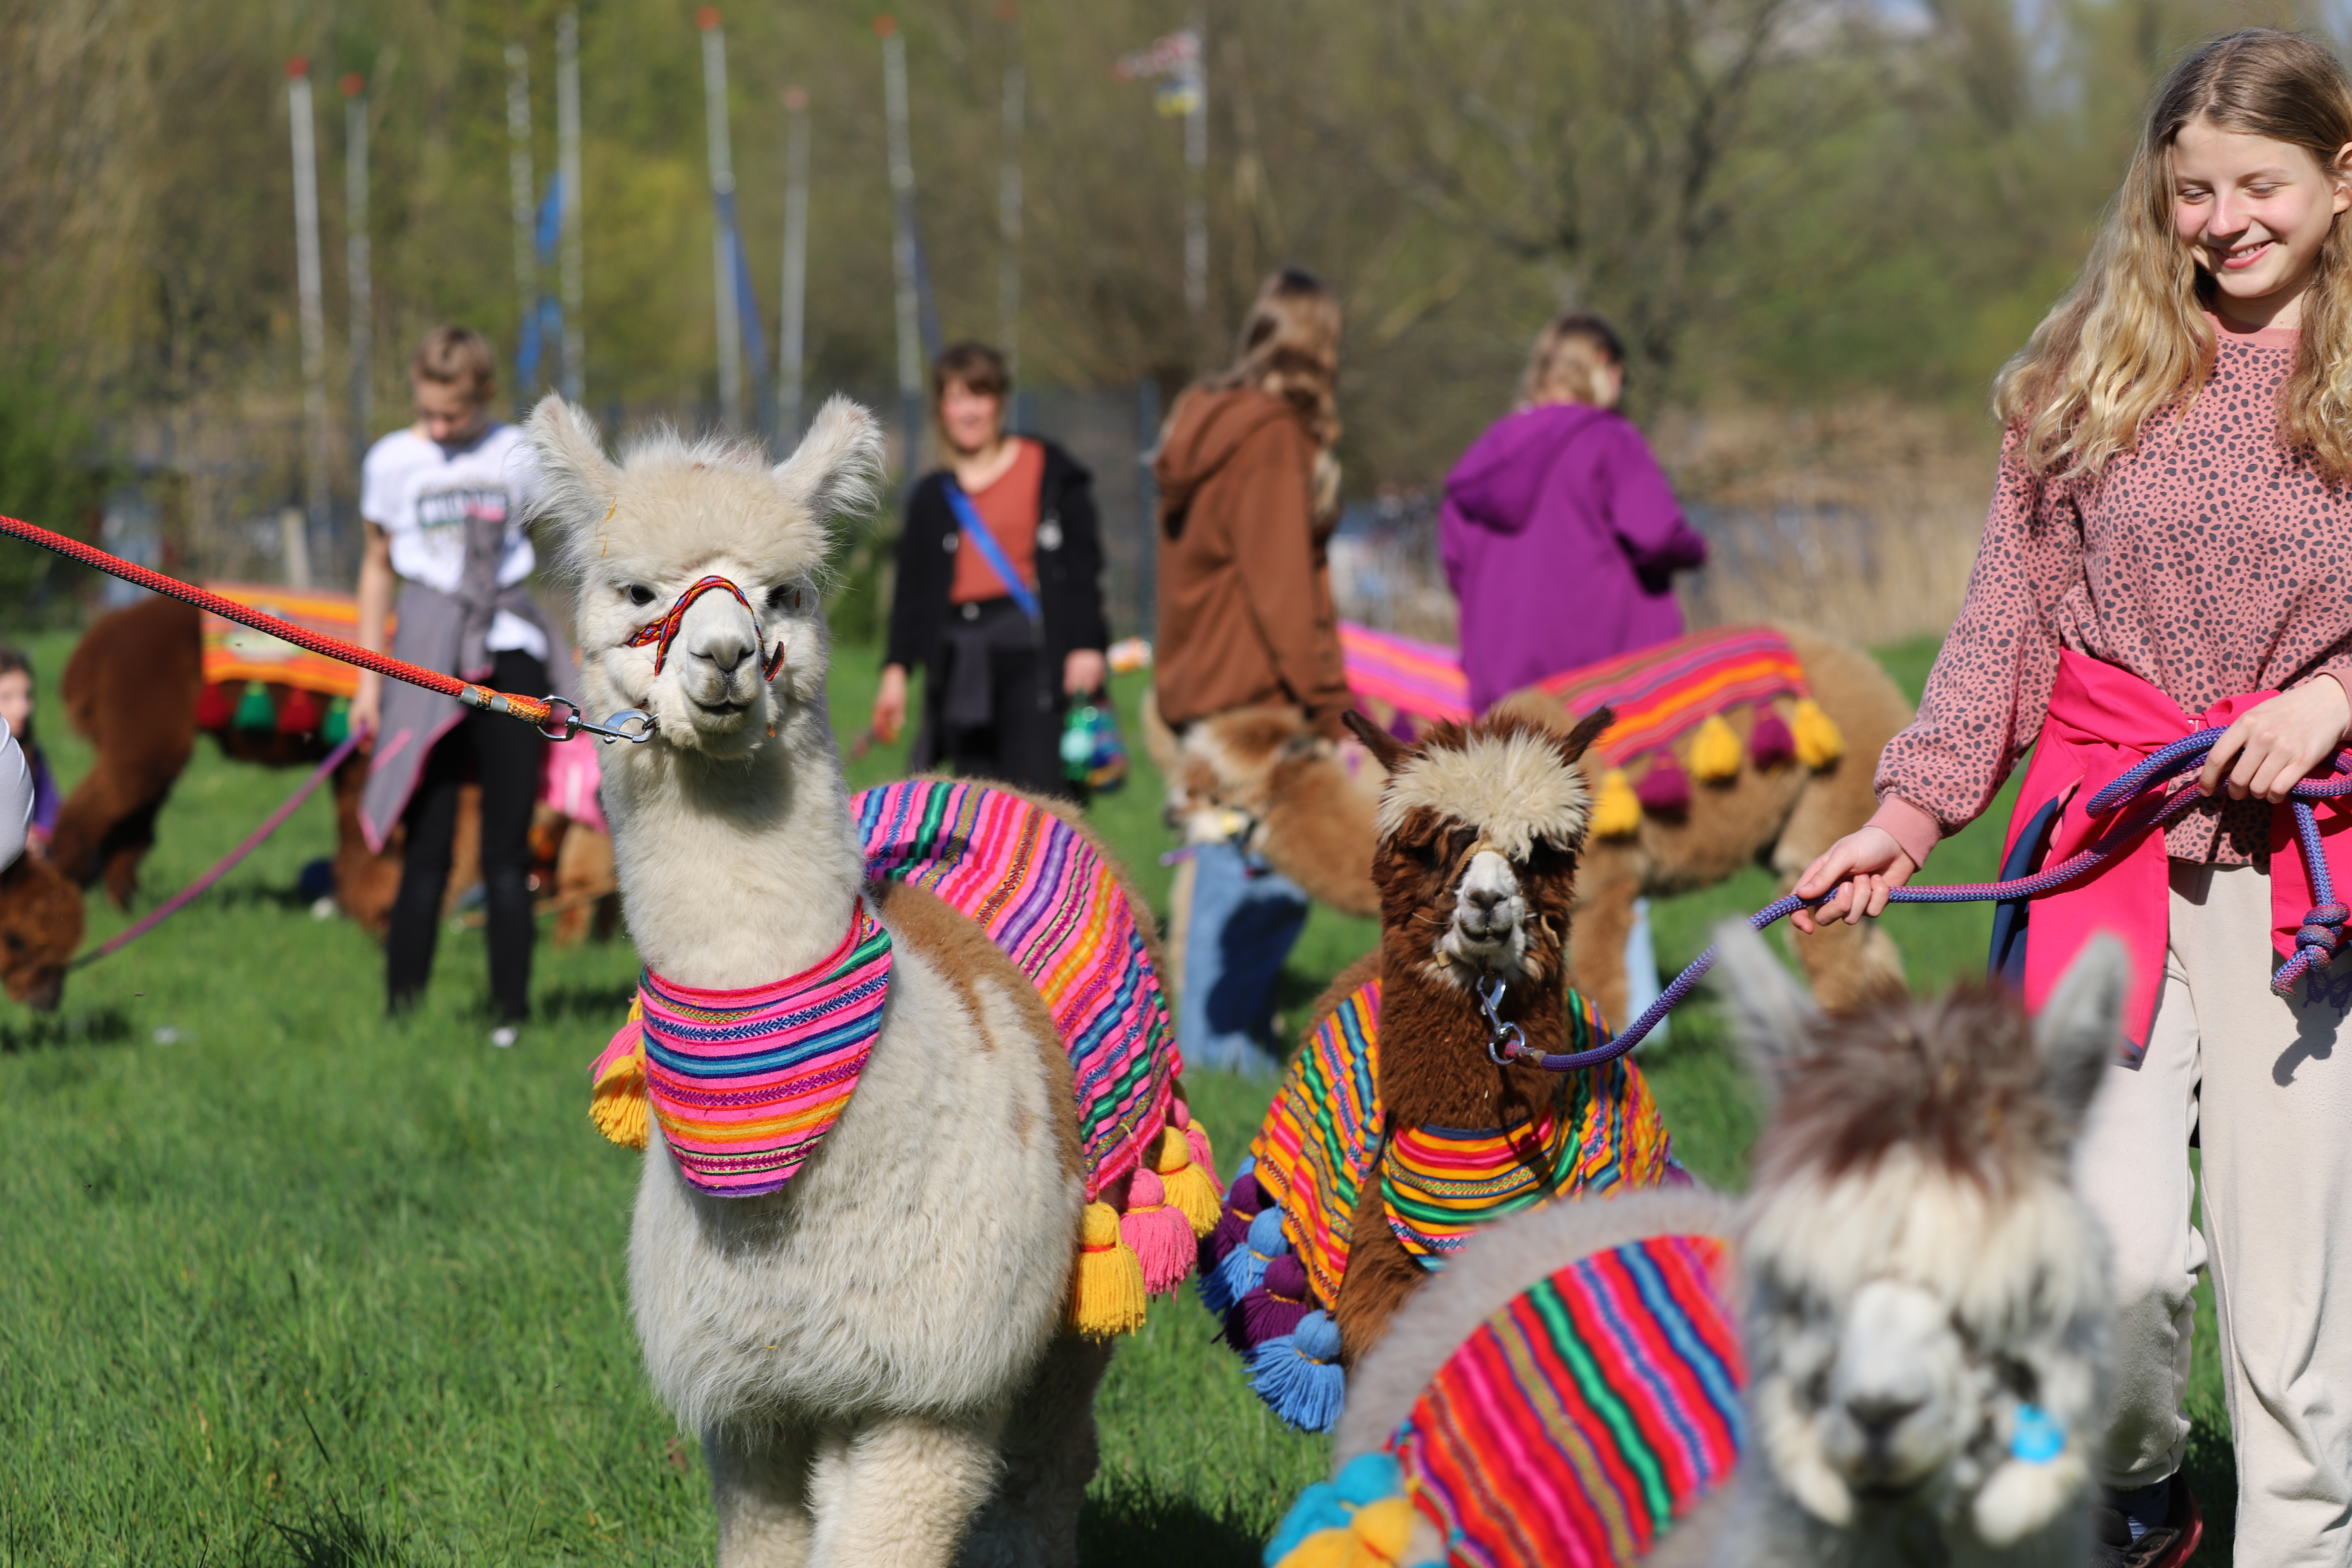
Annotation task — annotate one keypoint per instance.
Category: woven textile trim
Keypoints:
(1315, 1144)
(232, 652)
(1042, 893)
(747, 1083)
(1577, 1423)
(1661, 693)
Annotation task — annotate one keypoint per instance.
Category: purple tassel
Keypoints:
(1665, 788)
(1273, 1308)
(1769, 743)
(1243, 1201)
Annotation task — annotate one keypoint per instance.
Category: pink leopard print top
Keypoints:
(2208, 561)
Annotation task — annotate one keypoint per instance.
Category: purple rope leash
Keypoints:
(2316, 942)
(221, 868)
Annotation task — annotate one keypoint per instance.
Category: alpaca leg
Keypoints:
(1381, 1275)
(1049, 1457)
(1179, 927)
(1607, 884)
(901, 1493)
(761, 1488)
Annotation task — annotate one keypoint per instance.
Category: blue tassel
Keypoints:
(1317, 1508)
(1368, 1477)
(1244, 1266)
(1298, 1374)
(1249, 1164)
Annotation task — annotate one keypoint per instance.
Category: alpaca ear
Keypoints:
(1386, 749)
(1773, 1016)
(2079, 1029)
(1589, 729)
(577, 481)
(837, 463)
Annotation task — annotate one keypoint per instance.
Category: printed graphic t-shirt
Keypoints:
(421, 493)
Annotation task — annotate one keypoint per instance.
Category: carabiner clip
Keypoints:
(565, 725)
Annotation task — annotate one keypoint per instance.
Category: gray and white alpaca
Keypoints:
(1923, 1296)
(875, 1355)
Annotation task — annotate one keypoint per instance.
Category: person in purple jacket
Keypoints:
(1560, 535)
(1560, 539)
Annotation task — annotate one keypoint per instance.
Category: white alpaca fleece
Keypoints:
(873, 1356)
(1514, 787)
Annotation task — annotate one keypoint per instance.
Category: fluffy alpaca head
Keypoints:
(637, 536)
(1926, 1296)
(1480, 827)
(40, 926)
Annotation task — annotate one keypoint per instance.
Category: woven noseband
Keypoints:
(658, 634)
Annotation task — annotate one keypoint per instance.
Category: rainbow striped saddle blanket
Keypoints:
(1279, 1255)
(746, 1084)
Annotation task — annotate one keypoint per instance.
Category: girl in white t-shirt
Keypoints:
(444, 501)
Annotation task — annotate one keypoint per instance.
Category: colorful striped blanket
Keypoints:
(1661, 693)
(1572, 1429)
(1417, 681)
(232, 652)
(747, 1083)
(1033, 883)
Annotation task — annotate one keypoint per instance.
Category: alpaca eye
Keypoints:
(640, 594)
(788, 598)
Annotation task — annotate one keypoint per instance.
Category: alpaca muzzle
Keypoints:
(1890, 1422)
(1488, 928)
(715, 652)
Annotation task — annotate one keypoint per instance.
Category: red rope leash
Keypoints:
(554, 717)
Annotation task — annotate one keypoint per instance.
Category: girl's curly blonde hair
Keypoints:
(2130, 339)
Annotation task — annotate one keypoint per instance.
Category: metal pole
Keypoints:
(522, 187)
(567, 169)
(1147, 508)
(1196, 167)
(792, 340)
(722, 191)
(902, 249)
(355, 260)
(313, 312)
(1008, 197)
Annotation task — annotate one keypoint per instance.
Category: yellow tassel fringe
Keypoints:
(1819, 744)
(618, 1105)
(1107, 1297)
(1378, 1536)
(1617, 811)
(1190, 1188)
(1715, 752)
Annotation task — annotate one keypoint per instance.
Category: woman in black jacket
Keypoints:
(1000, 658)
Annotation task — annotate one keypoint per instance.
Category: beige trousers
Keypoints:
(2259, 1080)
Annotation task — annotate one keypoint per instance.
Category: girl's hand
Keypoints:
(1083, 671)
(1863, 866)
(890, 704)
(367, 707)
(2279, 742)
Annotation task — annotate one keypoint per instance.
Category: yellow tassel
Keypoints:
(1324, 1549)
(1715, 752)
(1106, 1298)
(1617, 813)
(618, 1105)
(1192, 1190)
(1818, 741)
(1383, 1530)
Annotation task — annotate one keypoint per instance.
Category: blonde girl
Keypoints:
(2169, 549)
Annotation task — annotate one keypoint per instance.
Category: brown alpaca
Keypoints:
(40, 927)
(1476, 872)
(1314, 820)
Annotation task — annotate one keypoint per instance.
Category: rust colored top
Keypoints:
(2209, 560)
(1009, 507)
(1245, 612)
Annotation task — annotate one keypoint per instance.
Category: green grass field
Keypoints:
(285, 1283)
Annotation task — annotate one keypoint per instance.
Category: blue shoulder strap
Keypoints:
(968, 517)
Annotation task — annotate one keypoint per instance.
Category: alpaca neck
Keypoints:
(735, 873)
(1434, 1070)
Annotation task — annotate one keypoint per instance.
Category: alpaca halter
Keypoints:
(658, 634)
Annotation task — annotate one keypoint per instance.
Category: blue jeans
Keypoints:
(1246, 917)
(1642, 986)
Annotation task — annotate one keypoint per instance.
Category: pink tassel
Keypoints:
(1769, 743)
(1161, 1236)
(1665, 788)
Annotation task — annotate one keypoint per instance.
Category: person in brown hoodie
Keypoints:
(1248, 497)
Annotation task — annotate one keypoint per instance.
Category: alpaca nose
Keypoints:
(1878, 1415)
(726, 646)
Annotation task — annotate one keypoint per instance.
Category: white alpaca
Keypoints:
(1924, 1297)
(875, 1355)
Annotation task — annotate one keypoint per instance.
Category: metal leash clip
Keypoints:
(1490, 1000)
(563, 725)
